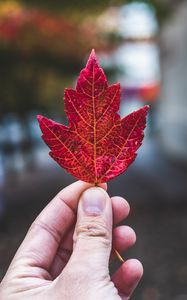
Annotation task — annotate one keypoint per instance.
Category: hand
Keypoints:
(66, 255)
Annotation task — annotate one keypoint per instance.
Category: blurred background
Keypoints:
(143, 45)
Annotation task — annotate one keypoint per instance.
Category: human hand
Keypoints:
(65, 254)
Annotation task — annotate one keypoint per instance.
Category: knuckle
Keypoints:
(94, 228)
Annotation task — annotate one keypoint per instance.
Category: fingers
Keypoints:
(120, 209)
(51, 225)
(127, 277)
(71, 194)
(124, 237)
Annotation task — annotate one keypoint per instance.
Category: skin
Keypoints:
(67, 250)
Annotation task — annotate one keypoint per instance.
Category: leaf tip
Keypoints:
(92, 60)
(93, 54)
(145, 109)
(39, 117)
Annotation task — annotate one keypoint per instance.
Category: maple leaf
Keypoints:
(97, 145)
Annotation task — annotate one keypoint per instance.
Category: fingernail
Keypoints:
(94, 201)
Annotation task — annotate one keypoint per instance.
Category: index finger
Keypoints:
(44, 236)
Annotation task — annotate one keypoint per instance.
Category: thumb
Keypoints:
(93, 231)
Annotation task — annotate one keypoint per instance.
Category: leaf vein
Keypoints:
(66, 148)
(78, 112)
(108, 107)
(122, 147)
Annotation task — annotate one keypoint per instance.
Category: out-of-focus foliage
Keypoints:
(34, 31)
(42, 45)
(37, 49)
(76, 8)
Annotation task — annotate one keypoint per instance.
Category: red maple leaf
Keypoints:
(97, 145)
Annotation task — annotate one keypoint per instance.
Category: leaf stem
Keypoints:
(119, 256)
